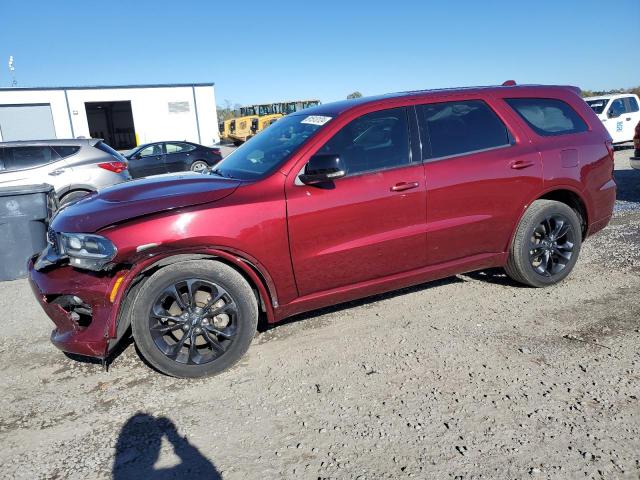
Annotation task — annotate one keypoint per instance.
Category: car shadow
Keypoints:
(628, 182)
(264, 326)
(139, 446)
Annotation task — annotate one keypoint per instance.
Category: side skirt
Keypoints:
(386, 284)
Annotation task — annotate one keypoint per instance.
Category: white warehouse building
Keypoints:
(124, 116)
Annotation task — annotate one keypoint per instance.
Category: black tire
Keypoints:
(72, 197)
(537, 257)
(242, 318)
(199, 166)
(237, 143)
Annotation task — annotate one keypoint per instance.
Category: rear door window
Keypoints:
(548, 116)
(374, 141)
(631, 104)
(21, 158)
(456, 128)
(179, 147)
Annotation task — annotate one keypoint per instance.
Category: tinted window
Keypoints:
(151, 150)
(178, 147)
(65, 150)
(631, 104)
(547, 116)
(617, 108)
(454, 128)
(20, 158)
(372, 142)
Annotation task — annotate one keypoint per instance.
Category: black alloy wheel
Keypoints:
(546, 244)
(193, 321)
(194, 318)
(552, 245)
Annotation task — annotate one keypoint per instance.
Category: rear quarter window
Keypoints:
(65, 150)
(548, 116)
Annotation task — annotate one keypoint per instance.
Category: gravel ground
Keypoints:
(467, 377)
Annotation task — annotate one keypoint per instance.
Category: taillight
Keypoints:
(116, 167)
(215, 151)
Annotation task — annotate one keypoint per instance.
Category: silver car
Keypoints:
(75, 168)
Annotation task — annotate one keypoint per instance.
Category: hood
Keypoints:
(129, 200)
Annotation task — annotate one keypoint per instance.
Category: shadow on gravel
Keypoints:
(628, 182)
(263, 326)
(138, 450)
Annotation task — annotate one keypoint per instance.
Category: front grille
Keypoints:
(52, 238)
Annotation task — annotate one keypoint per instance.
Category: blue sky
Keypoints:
(269, 50)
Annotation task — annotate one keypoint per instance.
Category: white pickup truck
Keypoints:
(620, 114)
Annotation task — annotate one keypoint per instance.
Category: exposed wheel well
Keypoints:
(574, 201)
(85, 191)
(124, 317)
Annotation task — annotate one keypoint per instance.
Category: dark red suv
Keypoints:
(330, 204)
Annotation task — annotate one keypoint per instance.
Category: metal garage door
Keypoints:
(26, 122)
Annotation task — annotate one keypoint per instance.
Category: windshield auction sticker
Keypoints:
(316, 120)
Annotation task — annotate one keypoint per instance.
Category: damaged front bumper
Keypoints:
(78, 304)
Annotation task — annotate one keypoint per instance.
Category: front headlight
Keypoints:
(91, 252)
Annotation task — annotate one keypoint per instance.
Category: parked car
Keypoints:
(635, 160)
(338, 202)
(168, 157)
(75, 167)
(619, 113)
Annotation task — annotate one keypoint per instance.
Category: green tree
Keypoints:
(355, 94)
(226, 111)
(595, 93)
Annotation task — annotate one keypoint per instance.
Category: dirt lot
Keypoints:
(468, 377)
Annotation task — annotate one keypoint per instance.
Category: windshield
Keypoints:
(270, 148)
(598, 105)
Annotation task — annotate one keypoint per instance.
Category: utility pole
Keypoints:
(12, 71)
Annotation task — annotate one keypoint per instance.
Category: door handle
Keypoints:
(520, 164)
(402, 186)
(628, 119)
(57, 172)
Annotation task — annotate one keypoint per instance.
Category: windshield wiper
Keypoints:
(217, 171)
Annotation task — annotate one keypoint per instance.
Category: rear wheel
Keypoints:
(73, 196)
(199, 166)
(194, 319)
(546, 244)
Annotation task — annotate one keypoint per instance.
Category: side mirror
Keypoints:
(323, 168)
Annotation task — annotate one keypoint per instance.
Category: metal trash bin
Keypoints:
(25, 212)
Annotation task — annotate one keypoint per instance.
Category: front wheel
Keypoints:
(194, 318)
(546, 244)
